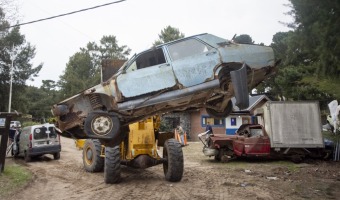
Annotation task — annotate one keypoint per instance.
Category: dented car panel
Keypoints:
(129, 84)
(256, 56)
(202, 71)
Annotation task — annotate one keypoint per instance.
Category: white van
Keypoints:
(37, 140)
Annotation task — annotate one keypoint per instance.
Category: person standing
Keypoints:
(181, 133)
(209, 128)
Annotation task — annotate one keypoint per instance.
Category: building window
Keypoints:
(233, 121)
(245, 120)
(213, 122)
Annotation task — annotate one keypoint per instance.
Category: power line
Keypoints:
(61, 15)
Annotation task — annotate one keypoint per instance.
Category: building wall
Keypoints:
(197, 126)
(233, 122)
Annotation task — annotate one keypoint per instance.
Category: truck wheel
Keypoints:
(92, 160)
(56, 156)
(174, 165)
(296, 158)
(27, 157)
(112, 165)
(102, 125)
(225, 113)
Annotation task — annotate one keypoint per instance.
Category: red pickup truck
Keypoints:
(252, 140)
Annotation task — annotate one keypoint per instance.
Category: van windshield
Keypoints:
(40, 133)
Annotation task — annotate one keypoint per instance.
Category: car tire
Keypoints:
(56, 156)
(92, 160)
(102, 125)
(215, 114)
(112, 165)
(27, 157)
(173, 167)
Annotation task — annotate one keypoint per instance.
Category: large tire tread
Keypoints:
(174, 167)
(112, 165)
(97, 164)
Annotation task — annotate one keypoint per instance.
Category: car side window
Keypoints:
(187, 48)
(147, 59)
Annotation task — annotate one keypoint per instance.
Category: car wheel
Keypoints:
(225, 113)
(174, 165)
(27, 157)
(92, 160)
(112, 165)
(103, 125)
(219, 155)
(56, 156)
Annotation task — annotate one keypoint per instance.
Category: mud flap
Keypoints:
(240, 84)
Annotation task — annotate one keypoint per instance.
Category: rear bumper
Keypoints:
(48, 149)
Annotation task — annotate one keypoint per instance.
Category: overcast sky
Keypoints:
(137, 23)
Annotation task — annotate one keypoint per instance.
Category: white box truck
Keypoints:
(292, 124)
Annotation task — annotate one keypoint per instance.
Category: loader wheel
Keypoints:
(91, 156)
(173, 166)
(218, 115)
(112, 165)
(102, 125)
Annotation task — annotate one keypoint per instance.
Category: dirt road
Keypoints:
(203, 179)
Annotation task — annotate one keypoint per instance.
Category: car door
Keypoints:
(257, 143)
(149, 72)
(193, 61)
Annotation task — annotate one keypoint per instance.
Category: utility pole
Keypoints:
(11, 80)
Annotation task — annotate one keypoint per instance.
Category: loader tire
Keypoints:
(174, 164)
(91, 156)
(112, 165)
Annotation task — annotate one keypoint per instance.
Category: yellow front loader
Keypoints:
(138, 150)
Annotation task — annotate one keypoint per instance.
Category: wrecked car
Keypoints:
(201, 71)
(252, 140)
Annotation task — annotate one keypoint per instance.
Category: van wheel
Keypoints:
(56, 156)
(112, 165)
(27, 157)
(174, 165)
(92, 160)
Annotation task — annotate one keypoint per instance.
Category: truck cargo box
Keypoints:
(292, 124)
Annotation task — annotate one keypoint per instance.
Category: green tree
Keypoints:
(316, 26)
(80, 74)
(83, 69)
(309, 54)
(168, 34)
(244, 39)
(14, 46)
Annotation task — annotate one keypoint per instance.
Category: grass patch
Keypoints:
(12, 178)
(292, 167)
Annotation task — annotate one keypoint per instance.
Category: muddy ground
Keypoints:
(203, 178)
